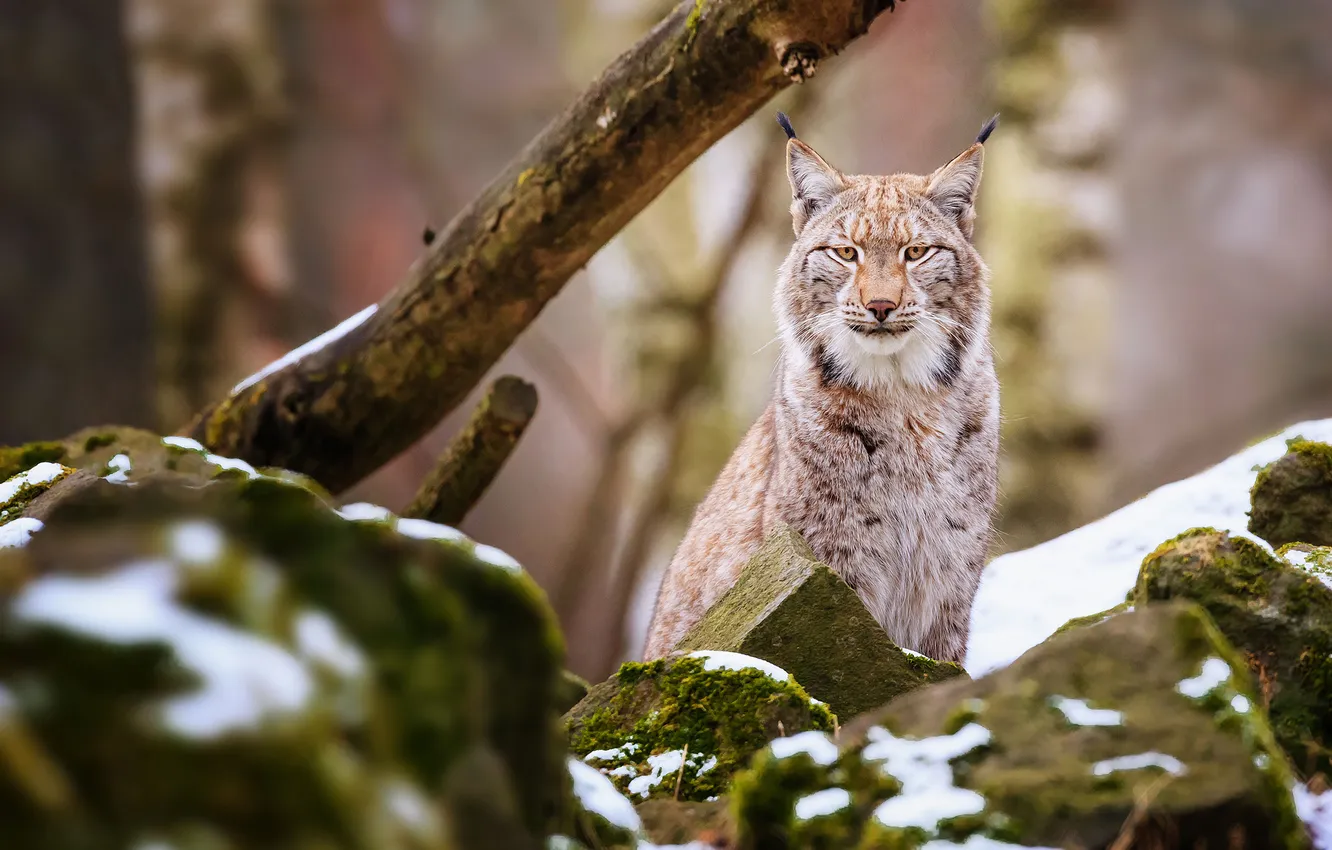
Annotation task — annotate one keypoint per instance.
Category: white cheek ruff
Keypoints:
(912, 359)
(881, 345)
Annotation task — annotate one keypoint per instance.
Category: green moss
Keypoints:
(1035, 774)
(764, 799)
(1202, 561)
(93, 442)
(931, 670)
(453, 705)
(16, 459)
(1279, 617)
(968, 711)
(659, 707)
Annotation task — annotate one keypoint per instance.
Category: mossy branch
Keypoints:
(475, 456)
(340, 412)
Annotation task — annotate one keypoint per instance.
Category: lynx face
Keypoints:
(883, 285)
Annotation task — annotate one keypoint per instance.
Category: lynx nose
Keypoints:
(881, 308)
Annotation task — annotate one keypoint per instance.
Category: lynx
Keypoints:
(881, 442)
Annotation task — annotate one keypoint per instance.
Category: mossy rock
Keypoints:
(99, 457)
(671, 720)
(1277, 615)
(234, 665)
(790, 609)
(1056, 750)
(1292, 497)
(126, 455)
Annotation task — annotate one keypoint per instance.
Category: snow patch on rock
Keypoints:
(598, 795)
(1215, 673)
(1079, 713)
(40, 475)
(928, 794)
(16, 533)
(1139, 761)
(1025, 596)
(715, 659)
(817, 745)
(829, 801)
(244, 680)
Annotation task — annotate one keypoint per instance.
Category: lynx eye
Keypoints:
(845, 253)
(915, 252)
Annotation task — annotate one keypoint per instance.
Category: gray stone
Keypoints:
(1057, 750)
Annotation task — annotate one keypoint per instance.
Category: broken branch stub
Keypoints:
(476, 455)
(344, 410)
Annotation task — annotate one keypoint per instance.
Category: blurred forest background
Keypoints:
(189, 188)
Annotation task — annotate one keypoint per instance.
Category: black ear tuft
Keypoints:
(987, 129)
(786, 125)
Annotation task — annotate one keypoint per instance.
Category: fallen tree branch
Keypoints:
(475, 456)
(341, 411)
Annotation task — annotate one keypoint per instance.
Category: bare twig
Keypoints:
(1142, 806)
(475, 456)
(341, 411)
(679, 777)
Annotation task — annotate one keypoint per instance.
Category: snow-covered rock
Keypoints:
(1025, 596)
(261, 669)
(1277, 614)
(1056, 750)
(689, 722)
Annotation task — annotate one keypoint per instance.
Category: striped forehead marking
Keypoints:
(886, 212)
(861, 230)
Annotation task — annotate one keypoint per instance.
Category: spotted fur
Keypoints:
(880, 444)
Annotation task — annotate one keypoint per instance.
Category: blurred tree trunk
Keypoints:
(1222, 331)
(75, 303)
(1050, 209)
(210, 84)
(356, 218)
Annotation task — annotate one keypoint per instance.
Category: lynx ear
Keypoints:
(953, 188)
(814, 183)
